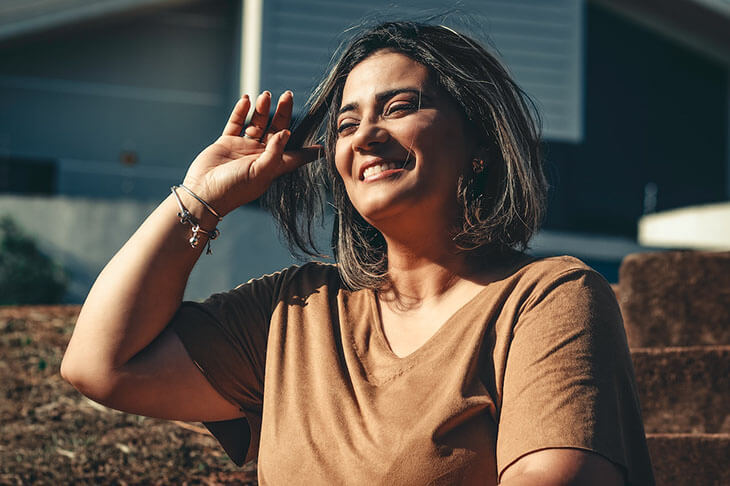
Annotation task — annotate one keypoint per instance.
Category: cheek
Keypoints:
(449, 141)
(431, 134)
(343, 162)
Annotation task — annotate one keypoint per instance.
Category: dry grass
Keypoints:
(53, 435)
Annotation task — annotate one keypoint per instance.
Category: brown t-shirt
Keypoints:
(538, 359)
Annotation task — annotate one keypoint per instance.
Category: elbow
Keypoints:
(75, 374)
(74, 368)
(69, 371)
(88, 380)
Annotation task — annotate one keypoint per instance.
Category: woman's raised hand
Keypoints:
(120, 353)
(239, 166)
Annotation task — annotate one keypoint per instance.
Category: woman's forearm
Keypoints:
(136, 294)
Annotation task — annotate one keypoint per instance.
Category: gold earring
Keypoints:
(478, 165)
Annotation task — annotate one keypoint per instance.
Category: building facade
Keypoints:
(106, 103)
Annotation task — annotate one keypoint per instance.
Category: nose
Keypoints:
(368, 136)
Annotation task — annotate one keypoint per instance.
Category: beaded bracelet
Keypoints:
(187, 218)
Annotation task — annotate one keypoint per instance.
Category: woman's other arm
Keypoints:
(120, 353)
(570, 414)
(563, 467)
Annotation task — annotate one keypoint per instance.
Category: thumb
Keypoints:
(271, 161)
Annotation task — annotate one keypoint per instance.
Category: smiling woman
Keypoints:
(435, 351)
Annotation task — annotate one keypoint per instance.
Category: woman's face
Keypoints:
(401, 144)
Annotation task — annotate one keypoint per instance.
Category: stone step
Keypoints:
(690, 459)
(684, 389)
(676, 298)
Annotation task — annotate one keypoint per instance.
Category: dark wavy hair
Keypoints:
(502, 205)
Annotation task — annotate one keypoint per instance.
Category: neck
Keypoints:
(424, 263)
(424, 271)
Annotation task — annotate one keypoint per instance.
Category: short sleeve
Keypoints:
(569, 380)
(226, 337)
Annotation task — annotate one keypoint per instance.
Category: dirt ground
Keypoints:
(50, 434)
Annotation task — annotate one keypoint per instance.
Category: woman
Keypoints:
(434, 352)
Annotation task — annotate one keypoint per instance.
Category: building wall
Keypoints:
(540, 41)
(120, 107)
(656, 131)
(118, 110)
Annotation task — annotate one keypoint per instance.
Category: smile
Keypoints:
(378, 168)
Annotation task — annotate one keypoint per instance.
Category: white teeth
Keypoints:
(376, 169)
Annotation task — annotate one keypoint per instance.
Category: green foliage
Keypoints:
(27, 276)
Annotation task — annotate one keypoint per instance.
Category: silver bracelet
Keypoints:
(187, 218)
(200, 200)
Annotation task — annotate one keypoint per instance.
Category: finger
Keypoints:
(295, 158)
(260, 117)
(270, 162)
(282, 117)
(238, 117)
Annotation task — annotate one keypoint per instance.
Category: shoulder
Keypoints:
(557, 291)
(266, 291)
(311, 275)
(297, 282)
(548, 268)
(535, 278)
(315, 271)
(255, 300)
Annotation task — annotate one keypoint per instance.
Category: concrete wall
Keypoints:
(656, 135)
(83, 234)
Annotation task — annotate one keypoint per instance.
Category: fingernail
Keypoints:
(267, 93)
(290, 93)
(285, 134)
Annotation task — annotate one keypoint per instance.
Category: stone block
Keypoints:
(678, 298)
(684, 390)
(690, 459)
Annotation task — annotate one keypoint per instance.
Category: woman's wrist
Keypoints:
(218, 200)
(203, 229)
(202, 211)
(202, 201)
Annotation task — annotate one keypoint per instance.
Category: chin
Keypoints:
(390, 209)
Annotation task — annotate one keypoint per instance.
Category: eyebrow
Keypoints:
(382, 96)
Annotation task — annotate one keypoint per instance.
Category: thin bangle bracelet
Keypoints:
(200, 200)
(187, 218)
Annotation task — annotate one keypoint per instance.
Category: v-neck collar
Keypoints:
(431, 342)
(373, 351)
(378, 360)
